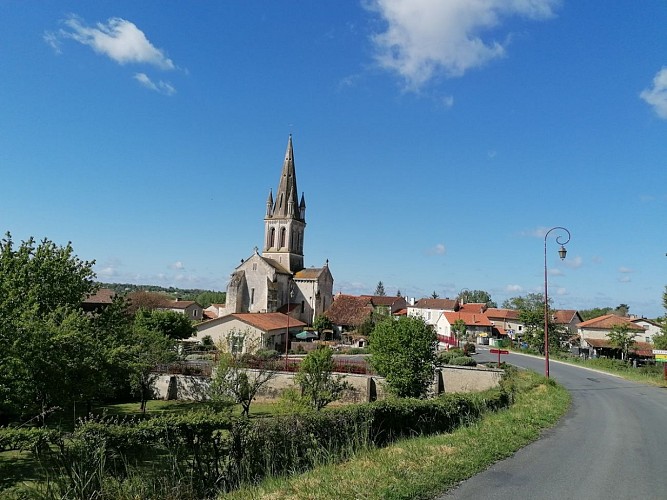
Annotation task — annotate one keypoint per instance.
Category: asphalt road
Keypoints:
(612, 444)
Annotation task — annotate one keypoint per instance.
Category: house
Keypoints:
(249, 331)
(505, 322)
(189, 308)
(567, 318)
(349, 312)
(651, 328)
(477, 325)
(430, 310)
(384, 304)
(593, 334)
(99, 300)
(214, 311)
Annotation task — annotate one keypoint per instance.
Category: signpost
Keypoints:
(661, 357)
(503, 351)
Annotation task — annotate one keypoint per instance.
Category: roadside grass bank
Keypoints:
(424, 467)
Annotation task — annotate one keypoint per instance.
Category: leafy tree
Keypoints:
(403, 351)
(622, 310)
(322, 323)
(622, 337)
(379, 289)
(661, 339)
(528, 301)
(142, 299)
(231, 381)
(531, 314)
(398, 293)
(477, 297)
(148, 349)
(315, 377)
(171, 324)
(596, 312)
(42, 326)
(434, 295)
(460, 329)
(209, 297)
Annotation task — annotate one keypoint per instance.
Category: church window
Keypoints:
(252, 296)
(303, 306)
(254, 266)
(272, 237)
(283, 233)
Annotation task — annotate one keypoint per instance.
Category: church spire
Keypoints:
(287, 190)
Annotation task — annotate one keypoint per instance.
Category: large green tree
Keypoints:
(403, 351)
(315, 377)
(531, 314)
(622, 337)
(171, 324)
(379, 289)
(477, 297)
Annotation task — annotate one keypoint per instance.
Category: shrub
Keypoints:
(462, 361)
(469, 348)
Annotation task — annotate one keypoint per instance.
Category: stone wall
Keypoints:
(364, 387)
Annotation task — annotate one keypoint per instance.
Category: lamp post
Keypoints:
(561, 253)
(290, 291)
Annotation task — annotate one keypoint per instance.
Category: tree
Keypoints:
(476, 297)
(531, 314)
(209, 297)
(315, 377)
(622, 337)
(379, 289)
(142, 299)
(403, 351)
(43, 331)
(435, 295)
(322, 323)
(661, 339)
(231, 380)
(171, 324)
(528, 301)
(622, 310)
(460, 329)
(596, 312)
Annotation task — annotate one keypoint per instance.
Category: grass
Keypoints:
(426, 466)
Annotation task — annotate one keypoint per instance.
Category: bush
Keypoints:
(469, 348)
(444, 357)
(462, 361)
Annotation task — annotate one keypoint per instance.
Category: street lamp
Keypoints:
(290, 292)
(561, 253)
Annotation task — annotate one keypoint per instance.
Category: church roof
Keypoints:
(311, 273)
(275, 265)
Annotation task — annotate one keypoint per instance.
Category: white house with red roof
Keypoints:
(477, 325)
(594, 334)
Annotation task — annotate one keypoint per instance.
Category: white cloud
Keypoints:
(119, 40)
(439, 249)
(513, 288)
(556, 272)
(177, 265)
(573, 262)
(656, 96)
(625, 279)
(162, 87)
(427, 37)
(625, 270)
(448, 101)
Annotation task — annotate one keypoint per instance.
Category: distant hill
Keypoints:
(203, 297)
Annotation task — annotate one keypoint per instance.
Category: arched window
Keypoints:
(303, 306)
(272, 237)
(283, 233)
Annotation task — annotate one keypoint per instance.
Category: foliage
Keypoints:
(203, 297)
(469, 348)
(403, 351)
(529, 301)
(322, 323)
(379, 289)
(596, 312)
(463, 361)
(145, 299)
(531, 314)
(435, 295)
(318, 384)
(622, 337)
(476, 297)
(208, 297)
(231, 380)
(621, 310)
(171, 324)
(460, 329)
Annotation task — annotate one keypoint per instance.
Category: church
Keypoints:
(277, 280)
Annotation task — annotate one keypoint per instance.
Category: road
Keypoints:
(612, 444)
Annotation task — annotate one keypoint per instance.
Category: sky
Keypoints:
(436, 141)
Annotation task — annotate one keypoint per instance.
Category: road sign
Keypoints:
(498, 351)
(660, 355)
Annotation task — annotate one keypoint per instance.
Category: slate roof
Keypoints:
(178, 304)
(311, 273)
(608, 321)
(349, 310)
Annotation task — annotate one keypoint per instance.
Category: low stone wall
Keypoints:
(364, 388)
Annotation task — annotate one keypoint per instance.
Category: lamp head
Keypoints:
(562, 252)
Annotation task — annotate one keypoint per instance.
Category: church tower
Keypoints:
(285, 219)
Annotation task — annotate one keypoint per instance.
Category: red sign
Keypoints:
(498, 351)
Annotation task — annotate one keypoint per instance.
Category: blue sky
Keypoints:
(435, 141)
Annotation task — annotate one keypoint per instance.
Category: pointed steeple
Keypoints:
(287, 189)
(269, 204)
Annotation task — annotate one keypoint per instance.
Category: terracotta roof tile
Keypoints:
(444, 304)
(493, 312)
(470, 318)
(309, 274)
(608, 321)
(102, 296)
(268, 321)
